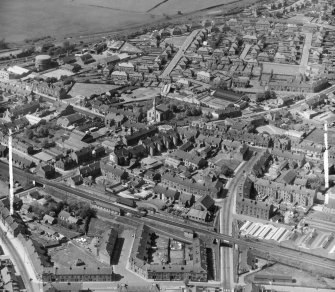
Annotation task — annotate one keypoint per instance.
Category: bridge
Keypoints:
(275, 252)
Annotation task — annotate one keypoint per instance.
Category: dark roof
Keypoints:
(162, 108)
(206, 201)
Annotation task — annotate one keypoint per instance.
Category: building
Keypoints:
(158, 113)
(67, 217)
(78, 274)
(85, 59)
(188, 186)
(72, 119)
(81, 155)
(24, 147)
(193, 270)
(45, 170)
(113, 173)
(289, 194)
(106, 246)
(42, 62)
(189, 160)
(204, 76)
(141, 134)
(253, 208)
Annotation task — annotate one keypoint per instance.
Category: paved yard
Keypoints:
(126, 276)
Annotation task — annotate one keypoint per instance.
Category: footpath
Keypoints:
(21, 260)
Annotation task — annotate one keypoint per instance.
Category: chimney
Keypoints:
(11, 181)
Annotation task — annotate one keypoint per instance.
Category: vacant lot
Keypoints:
(67, 255)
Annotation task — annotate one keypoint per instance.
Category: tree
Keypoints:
(173, 107)
(269, 94)
(45, 143)
(42, 132)
(260, 97)
(29, 133)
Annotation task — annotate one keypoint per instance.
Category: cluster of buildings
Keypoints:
(106, 141)
(193, 268)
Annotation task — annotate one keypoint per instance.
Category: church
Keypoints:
(158, 113)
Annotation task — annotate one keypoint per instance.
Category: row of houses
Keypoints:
(195, 270)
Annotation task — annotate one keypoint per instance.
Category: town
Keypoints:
(199, 156)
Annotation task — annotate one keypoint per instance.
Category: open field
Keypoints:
(22, 19)
(186, 6)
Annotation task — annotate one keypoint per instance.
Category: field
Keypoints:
(185, 6)
(22, 19)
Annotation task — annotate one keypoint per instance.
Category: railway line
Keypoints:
(280, 253)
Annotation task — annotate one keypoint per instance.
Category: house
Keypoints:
(119, 76)
(106, 245)
(76, 180)
(254, 208)
(92, 169)
(45, 170)
(85, 59)
(114, 119)
(126, 67)
(141, 134)
(49, 219)
(70, 120)
(24, 147)
(67, 217)
(82, 155)
(165, 193)
(204, 76)
(113, 173)
(205, 203)
(189, 186)
(190, 160)
(22, 162)
(65, 163)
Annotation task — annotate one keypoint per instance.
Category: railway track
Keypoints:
(274, 251)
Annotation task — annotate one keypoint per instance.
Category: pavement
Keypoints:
(21, 260)
(226, 215)
(279, 253)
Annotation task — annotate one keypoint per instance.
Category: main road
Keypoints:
(20, 265)
(280, 253)
(226, 212)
